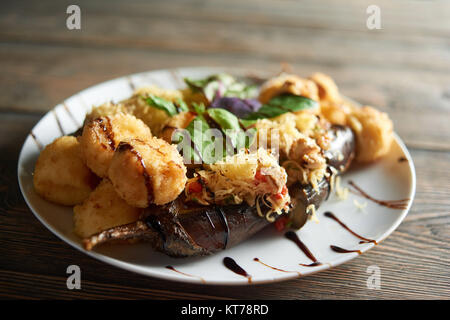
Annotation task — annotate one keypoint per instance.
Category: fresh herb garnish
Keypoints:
(166, 105)
(236, 137)
(211, 133)
(222, 85)
(282, 104)
(239, 107)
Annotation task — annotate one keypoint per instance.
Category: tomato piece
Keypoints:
(195, 187)
(260, 177)
(280, 224)
(278, 196)
(284, 191)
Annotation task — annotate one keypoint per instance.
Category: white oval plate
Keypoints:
(385, 179)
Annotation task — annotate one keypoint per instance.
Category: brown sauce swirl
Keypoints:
(364, 240)
(393, 204)
(233, 266)
(147, 178)
(294, 238)
(342, 250)
(274, 268)
(107, 129)
(185, 274)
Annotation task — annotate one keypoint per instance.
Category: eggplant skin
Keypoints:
(181, 229)
(342, 148)
(192, 230)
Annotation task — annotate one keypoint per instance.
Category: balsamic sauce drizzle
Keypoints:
(147, 178)
(293, 237)
(233, 266)
(107, 129)
(364, 240)
(186, 274)
(393, 204)
(274, 268)
(342, 250)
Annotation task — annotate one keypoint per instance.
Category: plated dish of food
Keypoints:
(215, 175)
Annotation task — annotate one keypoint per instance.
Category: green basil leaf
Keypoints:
(266, 112)
(247, 122)
(199, 108)
(229, 125)
(293, 103)
(182, 106)
(225, 119)
(162, 104)
(203, 148)
(282, 104)
(168, 106)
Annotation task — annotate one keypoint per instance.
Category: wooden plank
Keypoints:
(413, 260)
(387, 47)
(402, 69)
(37, 77)
(399, 16)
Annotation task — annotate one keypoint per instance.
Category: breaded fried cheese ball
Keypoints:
(103, 209)
(147, 172)
(374, 133)
(102, 135)
(60, 174)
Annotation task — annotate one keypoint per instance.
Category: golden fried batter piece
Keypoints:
(147, 172)
(288, 83)
(103, 209)
(102, 135)
(60, 174)
(332, 106)
(374, 133)
(328, 90)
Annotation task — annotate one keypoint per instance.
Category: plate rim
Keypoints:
(197, 280)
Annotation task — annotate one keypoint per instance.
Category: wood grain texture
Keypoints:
(404, 69)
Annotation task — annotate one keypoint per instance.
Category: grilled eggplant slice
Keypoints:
(182, 229)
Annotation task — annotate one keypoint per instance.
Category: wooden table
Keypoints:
(403, 69)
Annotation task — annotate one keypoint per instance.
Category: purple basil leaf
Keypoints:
(237, 106)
